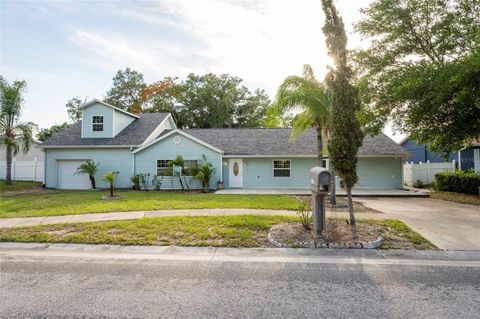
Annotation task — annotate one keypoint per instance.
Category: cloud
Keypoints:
(112, 50)
(262, 41)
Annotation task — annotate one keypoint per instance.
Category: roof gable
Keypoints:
(132, 135)
(95, 101)
(177, 131)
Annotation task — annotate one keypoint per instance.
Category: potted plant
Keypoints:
(220, 184)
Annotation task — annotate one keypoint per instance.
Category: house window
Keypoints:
(186, 166)
(281, 168)
(97, 123)
(162, 167)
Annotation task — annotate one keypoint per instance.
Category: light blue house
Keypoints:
(242, 158)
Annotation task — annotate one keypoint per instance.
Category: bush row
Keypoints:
(459, 182)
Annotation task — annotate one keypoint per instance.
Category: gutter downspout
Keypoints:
(133, 161)
(44, 168)
(459, 160)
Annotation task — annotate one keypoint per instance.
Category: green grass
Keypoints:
(217, 231)
(399, 236)
(18, 185)
(456, 197)
(82, 202)
(201, 231)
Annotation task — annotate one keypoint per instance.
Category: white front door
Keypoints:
(235, 172)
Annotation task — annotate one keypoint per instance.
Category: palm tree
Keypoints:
(110, 177)
(313, 103)
(203, 172)
(177, 162)
(14, 136)
(89, 168)
(311, 100)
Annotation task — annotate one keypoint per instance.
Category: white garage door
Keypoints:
(67, 178)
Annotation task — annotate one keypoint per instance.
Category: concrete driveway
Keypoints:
(448, 225)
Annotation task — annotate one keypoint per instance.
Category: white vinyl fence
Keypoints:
(424, 172)
(23, 170)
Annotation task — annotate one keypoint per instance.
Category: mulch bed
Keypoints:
(342, 205)
(337, 231)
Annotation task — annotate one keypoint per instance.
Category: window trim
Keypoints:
(185, 170)
(93, 123)
(289, 169)
(156, 166)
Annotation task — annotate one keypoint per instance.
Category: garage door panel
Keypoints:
(67, 179)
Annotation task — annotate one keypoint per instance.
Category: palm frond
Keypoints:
(307, 97)
(89, 168)
(25, 135)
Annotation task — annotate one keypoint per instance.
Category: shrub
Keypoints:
(304, 215)
(203, 172)
(458, 182)
(136, 182)
(144, 180)
(157, 182)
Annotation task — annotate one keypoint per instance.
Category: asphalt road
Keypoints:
(88, 287)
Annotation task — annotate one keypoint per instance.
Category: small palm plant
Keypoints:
(203, 172)
(89, 168)
(177, 162)
(111, 178)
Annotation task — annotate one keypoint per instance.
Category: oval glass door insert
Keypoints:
(235, 169)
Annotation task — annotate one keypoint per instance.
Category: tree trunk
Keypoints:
(350, 207)
(8, 175)
(186, 183)
(92, 181)
(111, 189)
(320, 149)
(181, 183)
(333, 191)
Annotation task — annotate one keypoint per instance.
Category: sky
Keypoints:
(65, 49)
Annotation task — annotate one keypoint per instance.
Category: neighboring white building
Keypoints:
(25, 166)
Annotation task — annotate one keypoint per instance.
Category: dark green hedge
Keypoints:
(458, 182)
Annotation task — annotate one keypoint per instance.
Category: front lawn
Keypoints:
(216, 231)
(18, 185)
(456, 197)
(82, 202)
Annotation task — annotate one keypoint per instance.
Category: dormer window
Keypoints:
(97, 123)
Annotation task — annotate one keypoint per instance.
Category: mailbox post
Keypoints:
(319, 184)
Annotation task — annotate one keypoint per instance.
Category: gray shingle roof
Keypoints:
(134, 134)
(248, 141)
